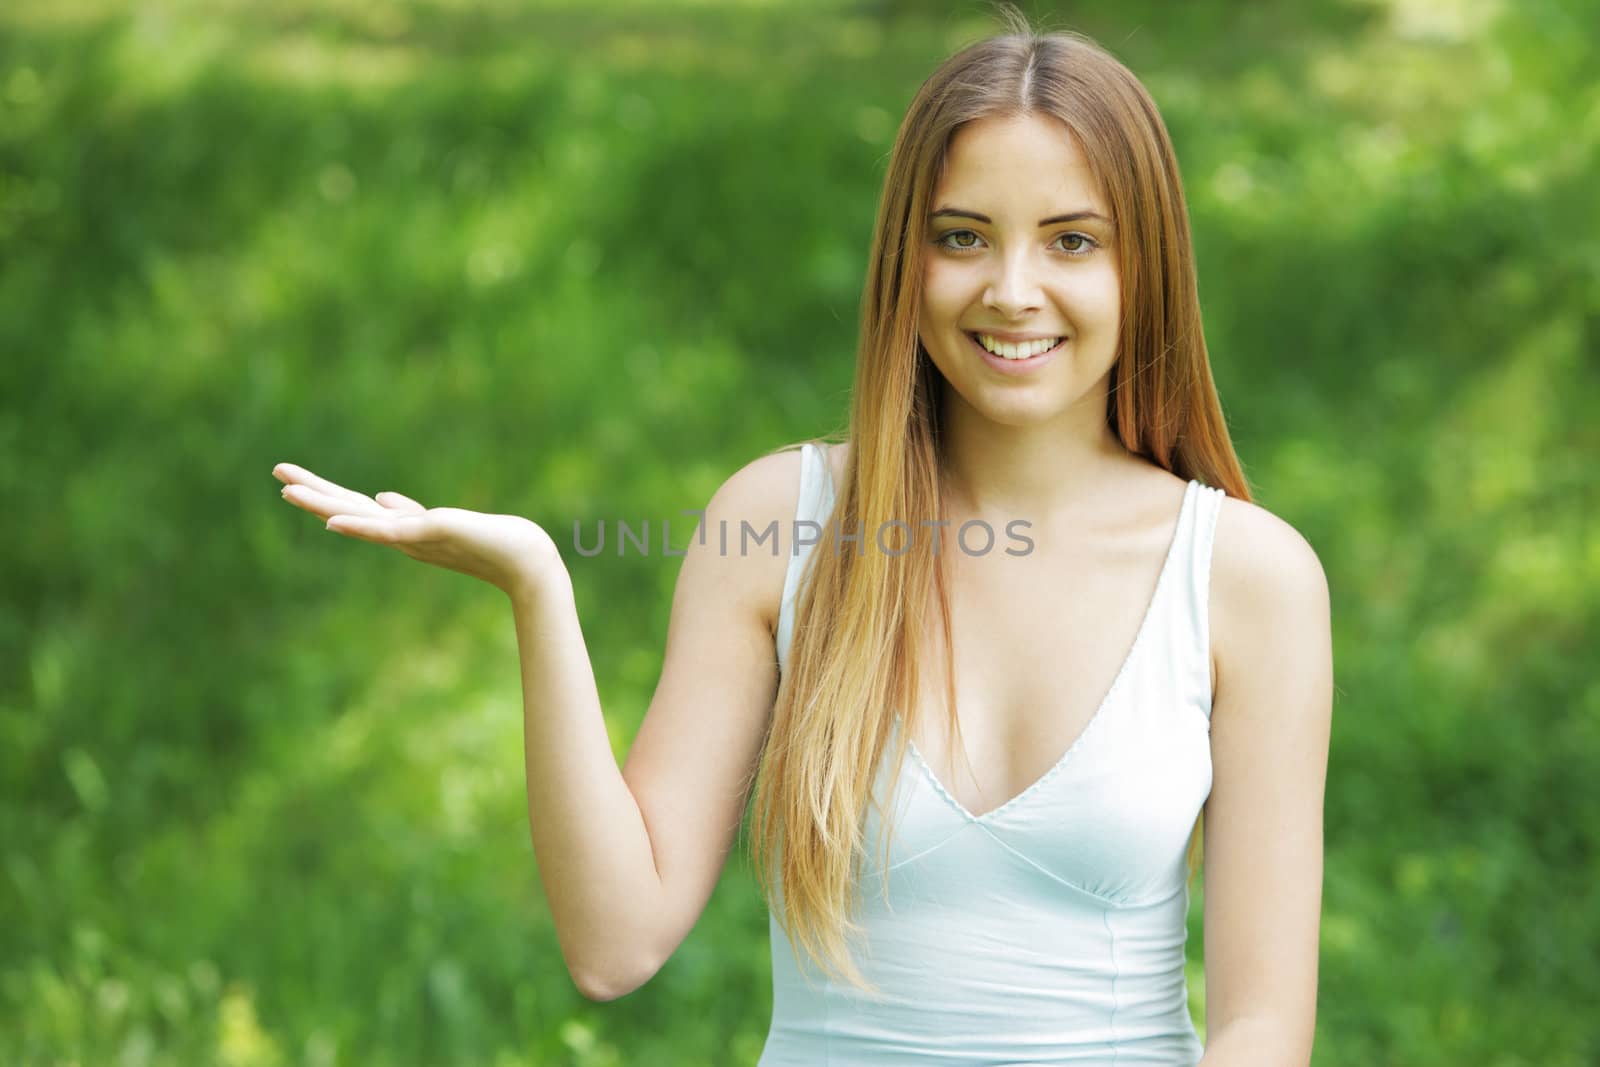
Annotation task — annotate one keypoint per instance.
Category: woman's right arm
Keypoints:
(628, 858)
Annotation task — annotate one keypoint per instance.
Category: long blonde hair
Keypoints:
(852, 669)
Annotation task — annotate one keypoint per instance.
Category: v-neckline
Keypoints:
(1189, 493)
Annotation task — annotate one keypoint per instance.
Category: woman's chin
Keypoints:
(1016, 410)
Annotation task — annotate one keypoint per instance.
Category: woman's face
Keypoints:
(1020, 258)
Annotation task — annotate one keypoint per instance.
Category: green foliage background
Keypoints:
(261, 793)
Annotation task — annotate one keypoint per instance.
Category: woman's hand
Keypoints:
(507, 551)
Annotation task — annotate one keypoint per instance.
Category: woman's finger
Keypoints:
(293, 475)
(382, 529)
(398, 501)
(324, 505)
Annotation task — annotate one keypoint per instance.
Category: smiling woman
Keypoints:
(1030, 352)
(1031, 346)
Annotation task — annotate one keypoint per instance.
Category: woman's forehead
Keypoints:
(1030, 163)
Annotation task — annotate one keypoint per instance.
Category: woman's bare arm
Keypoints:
(629, 859)
(1263, 821)
(627, 862)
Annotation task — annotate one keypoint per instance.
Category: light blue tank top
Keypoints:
(1050, 930)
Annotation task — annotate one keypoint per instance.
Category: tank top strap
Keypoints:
(823, 474)
(1190, 589)
(813, 507)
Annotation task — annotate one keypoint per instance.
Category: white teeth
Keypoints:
(1024, 350)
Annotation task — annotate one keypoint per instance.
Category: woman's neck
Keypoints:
(995, 470)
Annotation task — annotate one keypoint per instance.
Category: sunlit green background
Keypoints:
(261, 790)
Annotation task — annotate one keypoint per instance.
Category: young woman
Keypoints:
(1031, 579)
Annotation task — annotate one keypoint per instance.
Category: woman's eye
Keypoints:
(1085, 244)
(959, 239)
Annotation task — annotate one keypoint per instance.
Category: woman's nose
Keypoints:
(1014, 289)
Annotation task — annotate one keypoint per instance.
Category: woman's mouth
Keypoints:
(1016, 357)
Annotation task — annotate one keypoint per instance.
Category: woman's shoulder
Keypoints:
(751, 518)
(1264, 575)
(769, 485)
(762, 481)
(779, 470)
(1255, 550)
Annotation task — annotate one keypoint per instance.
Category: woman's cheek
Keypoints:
(1107, 297)
(935, 283)
(941, 298)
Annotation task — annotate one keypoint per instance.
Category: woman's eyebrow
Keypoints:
(1071, 216)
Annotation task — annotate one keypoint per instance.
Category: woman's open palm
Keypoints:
(507, 551)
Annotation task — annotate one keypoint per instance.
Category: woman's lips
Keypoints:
(1016, 366)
